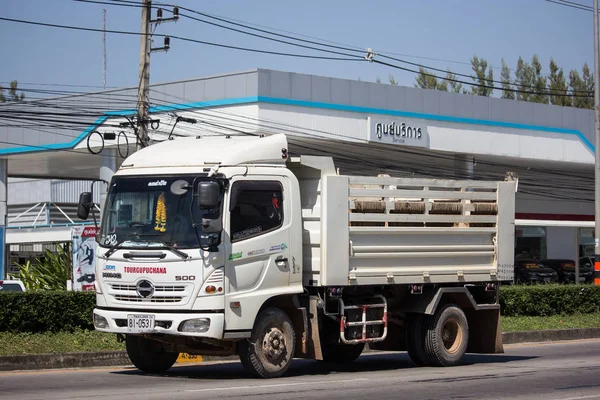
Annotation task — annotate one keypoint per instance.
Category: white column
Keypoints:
(3, 212)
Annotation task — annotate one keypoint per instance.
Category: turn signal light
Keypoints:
(210, 289)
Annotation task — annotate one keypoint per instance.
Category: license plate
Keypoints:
(138, 323)
(546, 279)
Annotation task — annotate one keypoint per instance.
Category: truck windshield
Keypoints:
(154, 212)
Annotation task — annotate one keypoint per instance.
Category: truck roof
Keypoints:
(212, 150)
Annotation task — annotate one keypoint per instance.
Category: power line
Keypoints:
(587, 93)
(316, 41)
(571, 4)
(180, 38)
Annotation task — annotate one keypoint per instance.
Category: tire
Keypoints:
(415, 339)
(148, 355)
(446, 336)
(342, 353)
(270, 350)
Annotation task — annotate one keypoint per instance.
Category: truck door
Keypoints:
(258, 265)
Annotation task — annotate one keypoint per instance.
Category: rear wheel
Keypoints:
(415, 339)
(149, 355)
(270, 350)
(446, 336)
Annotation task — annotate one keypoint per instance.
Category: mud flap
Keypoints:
(308, 342)
(485, 331)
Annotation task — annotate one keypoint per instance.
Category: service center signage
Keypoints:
(400, 131)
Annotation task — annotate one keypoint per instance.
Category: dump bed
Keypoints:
(383, 230)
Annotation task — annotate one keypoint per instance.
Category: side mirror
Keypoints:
(83, 208)
(208, 195)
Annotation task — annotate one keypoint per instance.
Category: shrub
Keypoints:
(46, 311)
(50, 272)
(545, 300)
(54, 311)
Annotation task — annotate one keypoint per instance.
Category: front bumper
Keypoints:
(165, 323)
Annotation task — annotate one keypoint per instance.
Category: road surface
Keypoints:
(566, 371)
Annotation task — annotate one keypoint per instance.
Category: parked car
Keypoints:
(588, 264)
(532, 271)
(12, 285)
(566, 270)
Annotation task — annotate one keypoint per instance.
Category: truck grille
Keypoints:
(163, 294)
(131, 288)
(154, 299)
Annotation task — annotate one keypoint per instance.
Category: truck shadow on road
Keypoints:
(366, 363)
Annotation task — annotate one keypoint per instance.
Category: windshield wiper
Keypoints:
(175, 250)
(114, 248)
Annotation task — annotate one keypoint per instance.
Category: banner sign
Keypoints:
(84, 260)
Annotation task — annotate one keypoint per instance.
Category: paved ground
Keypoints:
(566, 371)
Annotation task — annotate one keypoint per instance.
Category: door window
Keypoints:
(256, 208)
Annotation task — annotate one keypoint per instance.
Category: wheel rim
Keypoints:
(452, 335)
(273, 345)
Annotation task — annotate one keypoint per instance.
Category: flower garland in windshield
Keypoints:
(161, 214)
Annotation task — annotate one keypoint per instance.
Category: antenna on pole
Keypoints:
(104, 47)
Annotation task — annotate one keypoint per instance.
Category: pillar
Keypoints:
(3, 212)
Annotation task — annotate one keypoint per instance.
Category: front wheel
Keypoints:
(270, 350)
(149, 355)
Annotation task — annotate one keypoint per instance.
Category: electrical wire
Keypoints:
(184, 39)
(357, 156)
(572, 4)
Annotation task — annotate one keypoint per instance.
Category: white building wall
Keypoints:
(561, 242)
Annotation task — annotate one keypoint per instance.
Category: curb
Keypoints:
(550, 335)
(120, 358)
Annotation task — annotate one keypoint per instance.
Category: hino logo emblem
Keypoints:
(145, 289)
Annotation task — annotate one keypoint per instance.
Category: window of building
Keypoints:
(530, 242)
(586, 242)
(256, 208)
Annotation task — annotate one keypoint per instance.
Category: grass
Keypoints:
(60, 342)
(515, 324)
(82, 341)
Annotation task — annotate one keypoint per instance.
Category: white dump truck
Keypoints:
(228, 245)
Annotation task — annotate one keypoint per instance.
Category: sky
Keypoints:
(437, 33)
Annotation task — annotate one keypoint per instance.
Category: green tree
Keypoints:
(580, 86)
(508, 92)
(557, 86)
(484, 77)
(12, 93)
(539, 82)
(426, 80)
(393, 81)
(524, 80)
(449, 84)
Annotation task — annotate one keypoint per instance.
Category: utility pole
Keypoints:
(104, 47)
(144, 76)
(597, 148)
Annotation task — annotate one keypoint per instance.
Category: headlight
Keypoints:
(100, 322)
(199, 325)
